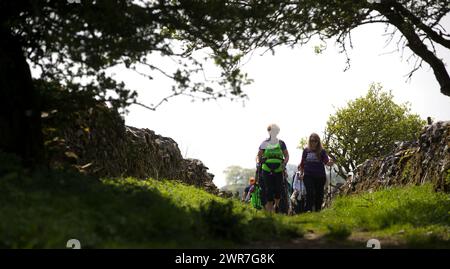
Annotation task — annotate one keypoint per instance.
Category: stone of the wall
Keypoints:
(417, 162)
(97, 142)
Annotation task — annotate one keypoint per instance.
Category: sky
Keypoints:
(296, 89)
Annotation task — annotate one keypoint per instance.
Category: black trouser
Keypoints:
(300, 207)
(272, 185)
(314, 192)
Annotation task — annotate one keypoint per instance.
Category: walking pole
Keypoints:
(329, 189)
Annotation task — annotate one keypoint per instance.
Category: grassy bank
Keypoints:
(45, 209)
(413, 216)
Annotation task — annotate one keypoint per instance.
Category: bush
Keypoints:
(367, 127)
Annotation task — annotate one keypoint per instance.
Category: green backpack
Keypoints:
(255, 199)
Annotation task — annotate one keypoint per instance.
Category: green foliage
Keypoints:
(79, 42)
(237, 175)
(368, 127)
(303, 143)
(318, 49)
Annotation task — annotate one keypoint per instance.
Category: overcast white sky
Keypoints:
(296, 89)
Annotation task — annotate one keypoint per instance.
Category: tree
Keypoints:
(303, 143)
(73, 43)
(368, 127)
(277, 22)
(237, 175)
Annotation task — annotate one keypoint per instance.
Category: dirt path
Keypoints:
(312, 240)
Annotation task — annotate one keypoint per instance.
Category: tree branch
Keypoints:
(417, 22)
(416, 45)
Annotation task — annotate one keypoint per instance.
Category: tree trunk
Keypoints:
(20, 116)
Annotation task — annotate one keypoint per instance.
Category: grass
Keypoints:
(46, 208)
(415, 216)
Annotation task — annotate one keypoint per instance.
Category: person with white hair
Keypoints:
(272, 158)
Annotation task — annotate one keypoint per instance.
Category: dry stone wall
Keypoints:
(97, 142)
(416, 162)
